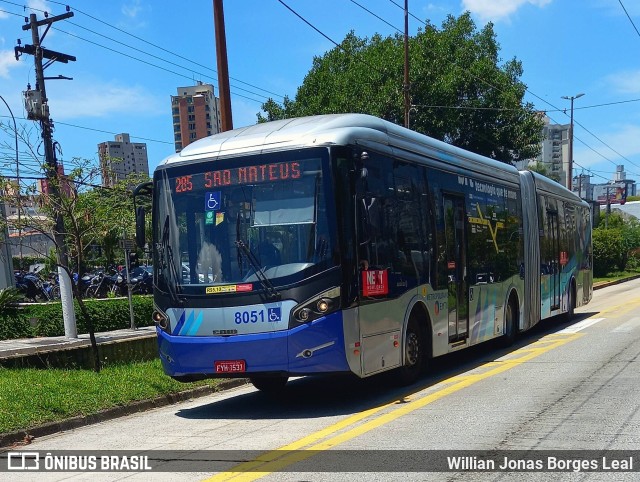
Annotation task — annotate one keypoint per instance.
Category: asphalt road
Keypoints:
(563, 386)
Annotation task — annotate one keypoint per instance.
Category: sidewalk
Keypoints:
(23, 347)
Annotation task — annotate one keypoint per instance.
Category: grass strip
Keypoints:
(31, 397)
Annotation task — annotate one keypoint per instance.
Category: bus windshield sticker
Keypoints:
(240, 288)
(375, 282)
(212, 201)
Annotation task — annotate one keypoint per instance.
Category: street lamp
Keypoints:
(570, 173)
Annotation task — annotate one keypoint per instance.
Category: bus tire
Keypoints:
(571, 302)
(510, 322)
(415, 350)
(270, 385)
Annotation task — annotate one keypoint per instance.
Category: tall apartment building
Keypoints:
(196, 114)
(555, 151)
(120, 158)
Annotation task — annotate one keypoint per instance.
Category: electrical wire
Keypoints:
(149, 63)
(629, 17)
(103, 22)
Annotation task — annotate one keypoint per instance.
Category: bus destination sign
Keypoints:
(282, 171)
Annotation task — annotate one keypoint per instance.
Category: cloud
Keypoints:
(627, 82)
(133, 9)
(496, 10)
(103, 101)
(135, 13)
(39, 6)
(7, 62)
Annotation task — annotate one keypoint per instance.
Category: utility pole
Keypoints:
(39, 110)
(407, 99)
(570, 173)
(223, 68)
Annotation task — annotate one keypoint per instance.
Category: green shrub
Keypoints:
(45, 319)
(609, 251)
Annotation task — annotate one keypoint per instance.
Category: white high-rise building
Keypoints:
(555, 151)
(122, 157)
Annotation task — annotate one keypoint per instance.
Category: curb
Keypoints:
(616, 282)
(25, 436)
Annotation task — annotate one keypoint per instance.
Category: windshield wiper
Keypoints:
(166, 257)
(266, 283)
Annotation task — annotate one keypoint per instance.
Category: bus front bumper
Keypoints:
(312, 348)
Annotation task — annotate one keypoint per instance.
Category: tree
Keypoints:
(540, 168)
(459, 92)
(91, 214)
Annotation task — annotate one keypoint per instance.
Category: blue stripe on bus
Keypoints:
(193, 328)
(180, 323)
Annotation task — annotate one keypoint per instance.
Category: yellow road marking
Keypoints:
(323, 440)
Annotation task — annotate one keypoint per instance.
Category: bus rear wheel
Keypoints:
(510, 322)
(414, 353)
(271, 385)
(571, 302)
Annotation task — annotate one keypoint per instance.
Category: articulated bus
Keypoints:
(345, 243)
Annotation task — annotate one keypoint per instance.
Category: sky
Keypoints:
(132, 55)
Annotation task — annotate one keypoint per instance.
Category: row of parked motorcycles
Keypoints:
(97, 284)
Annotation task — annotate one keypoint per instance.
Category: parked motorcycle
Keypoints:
(141, 279)
(105, 286)
(32, 287)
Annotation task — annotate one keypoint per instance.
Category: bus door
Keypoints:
(455, 217)
(553, 236)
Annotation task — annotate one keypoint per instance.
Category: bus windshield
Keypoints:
(238, 222)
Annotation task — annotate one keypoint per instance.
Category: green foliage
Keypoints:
(45, 319)
(458, 91)
(609, 252)
(9, 297)
(616, 246)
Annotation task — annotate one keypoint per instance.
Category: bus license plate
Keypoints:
(230, 366)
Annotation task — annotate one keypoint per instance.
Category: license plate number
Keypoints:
(230, 366)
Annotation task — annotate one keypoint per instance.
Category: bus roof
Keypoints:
(332, 129)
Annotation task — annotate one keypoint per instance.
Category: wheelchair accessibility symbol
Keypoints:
(274, 314)
(212, 201)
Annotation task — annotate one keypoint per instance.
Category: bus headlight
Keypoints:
(318, 306)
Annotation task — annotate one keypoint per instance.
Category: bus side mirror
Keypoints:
(140, 227)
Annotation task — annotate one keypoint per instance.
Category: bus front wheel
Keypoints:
(414, 353)
(271, 385)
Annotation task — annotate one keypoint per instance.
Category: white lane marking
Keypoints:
(581, 325)
(627, 327)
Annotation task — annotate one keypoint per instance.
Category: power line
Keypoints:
(151, 64)
(410, 14)
(377, 16)
(629, 17)
(147, 53)
(623, 157)
(100, 130)
(310, 24)
(162, 48)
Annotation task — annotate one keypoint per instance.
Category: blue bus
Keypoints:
(346, 243)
